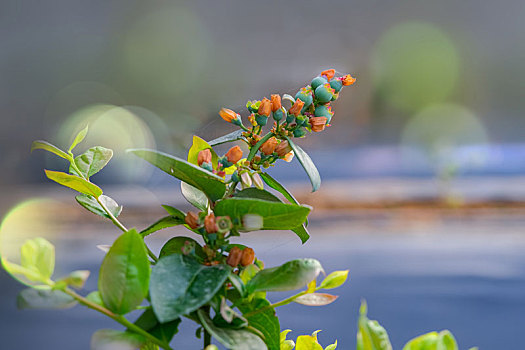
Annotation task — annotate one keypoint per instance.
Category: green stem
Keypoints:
(119, 318)
(274, 305)
(255, 148)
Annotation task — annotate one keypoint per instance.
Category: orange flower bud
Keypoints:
(234, 154)
(288, 157)
(229, 115)
(348, 80)
(318, 123)
(296, 108)
(248, 255)
(283, 148)
(276, 102)
(192, 220)
(269, 146)
(265, 108)
(209, 223)
(234, 258)
(329, 74)
(204, 156)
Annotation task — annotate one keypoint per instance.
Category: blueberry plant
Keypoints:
(203, 277)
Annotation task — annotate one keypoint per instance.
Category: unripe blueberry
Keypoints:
(305, 95)
(278, 114)
(324, 93)
(336, 84)
(299, 132)
(318, 81)
(261, 119)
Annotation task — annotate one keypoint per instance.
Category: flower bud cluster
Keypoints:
(204, 160)
(238, 256)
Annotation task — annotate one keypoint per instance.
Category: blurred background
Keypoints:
(424, 167)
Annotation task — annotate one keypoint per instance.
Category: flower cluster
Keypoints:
(309, 110)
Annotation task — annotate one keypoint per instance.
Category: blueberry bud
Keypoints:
(318, 81)
(336, 84)
(299, 132)
(261, 119)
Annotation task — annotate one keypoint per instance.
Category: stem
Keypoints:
(255, 148)
(273, 306)
(119, 318)
(112, 217)
(207, 335)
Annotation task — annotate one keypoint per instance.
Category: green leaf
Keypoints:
(76, 279)
(276, 216)
(33, 298)
(255, 193)
(200, 145)
(212, 185)
(46, 146)
(174, 211)
(443, 340)
(124, 274)
(165, 222)
(270, 181)
(292, 275)
(108, 339)
(92, 161)
(307, 342)
(302, 233)
(194, 196)
(334, 280)
(163, 331)
(307, 164)
(233, 339)
(286, 344)
(370, 334)
(79, 138)
(331, 346)
(91, 204)
(233, 136)
(315, 299)
(38, 255)
(266, 322)
(176, 244)
(180, 285)
(74, 182)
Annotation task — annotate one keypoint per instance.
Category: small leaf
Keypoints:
(233, 339)
(315, 299)
(79, 138)
(212, 185)
(38, 254)
(39, 144)
(76, 279)
(194, 196)
(176, 245)
(165, 222)
(74, 182)
(334, 280)
(91, 204)
(331, 346)
(200, 145)
(307, 164)
(292, 275)
(276, 216)
(265, 321)
(370, 334)
(307, 342)
(108, 339)
(124, 274)
(443, 340)
(180, 285)
(233, 136)
(173, 211)
(33, 298)
(92, 161)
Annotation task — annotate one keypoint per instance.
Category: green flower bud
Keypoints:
(235, 177)
(246, 180)
(301, 120)
(224, 162)
(257, 181)
(336, 84)
(324, 93)
(253, 106)
(299, 132)
(290, 118)
(224, 224)
(279, 114)
(261, 119)
(305, 95)
(318, 81)
(324, 111)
